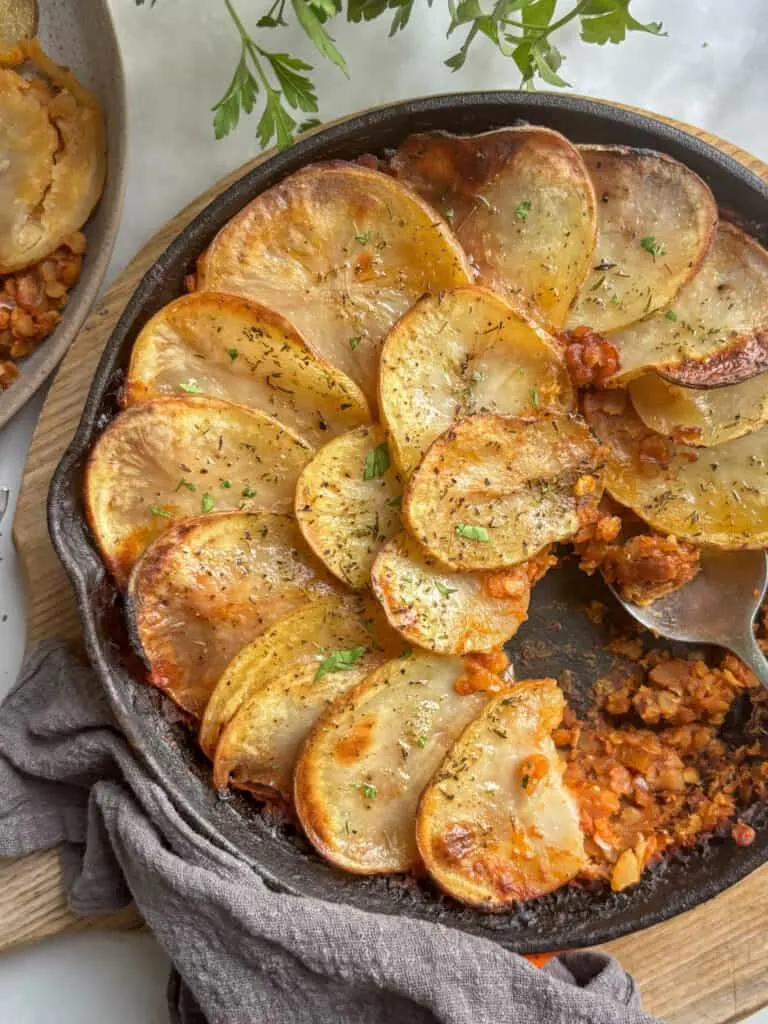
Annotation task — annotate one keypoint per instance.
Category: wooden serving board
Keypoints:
(709, 966)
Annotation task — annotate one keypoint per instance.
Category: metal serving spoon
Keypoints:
(719, 606)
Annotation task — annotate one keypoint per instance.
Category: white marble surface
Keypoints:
(710, 71)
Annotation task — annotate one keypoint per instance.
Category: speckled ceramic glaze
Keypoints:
(80, 34)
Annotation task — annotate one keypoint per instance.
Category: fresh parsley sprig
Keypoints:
(280, 85)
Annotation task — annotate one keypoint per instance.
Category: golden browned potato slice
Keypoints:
(450, 612)
(458, 354)
(711, 496)
(348, 503)
(496, 823)
(494, 490)
(364, 765)
(341, 251)
(716, 331)
(699, 416)
(521, 202)
(334, 645)
(184, 457)
(53, 162)
(655, 220)
(231, 348)
(208, 587)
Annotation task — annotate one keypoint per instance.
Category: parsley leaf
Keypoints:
(339, 661)
(354, 342)
(671, 315)
(232, 353)
(226, 484)
(469, 532)
(191, 387)
(608, 21)
(443, 589)
(368, 790)
(421, 742)
(207, 504)
(522, 209)
(186, 485)
(362, 237)
(248, 492)
(650, 245)
(535, 399)
(376, 462)
(313, 26)
(156, 510)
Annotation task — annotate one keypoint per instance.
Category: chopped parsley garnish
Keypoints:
(362, 237)
(535, 399)
(248, 492)
(186, 485)
(156, 510)
(650, 245)
(339, 661)
(191, 387)
(354, 342)
(671, 315)
(226, 484)
(232, 353)
(523, 209)
(421, 742)
(376, 462)
(207, 504)
(368, 790)
(470, 532)
(443, 589)
(449, 213)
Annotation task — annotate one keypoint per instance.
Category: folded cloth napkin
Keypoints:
(243, 952)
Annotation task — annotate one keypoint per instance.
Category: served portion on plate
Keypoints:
(399, 391)
(52, 171)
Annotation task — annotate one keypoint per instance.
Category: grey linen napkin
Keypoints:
(245, 953)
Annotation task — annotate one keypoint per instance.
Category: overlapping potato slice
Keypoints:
(711, 496)
(232, 348)
(461, 353)
(716, 331)
(52, 143)
(701, 416)
(449, 612)
(287, 679)
(521, 202)
(348, 503)
(497, 824)
(342, 251)
(655, 220)
(211, 585)
(362, 770)
(183, 457)
(494, 490)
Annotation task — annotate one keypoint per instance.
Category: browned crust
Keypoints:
(743, 359)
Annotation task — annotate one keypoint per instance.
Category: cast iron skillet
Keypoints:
(558, 639)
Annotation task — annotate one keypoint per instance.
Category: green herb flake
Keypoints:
(650, 245)
(470, 532)
(362, 237)
(156, 510)
(248, 492)
(671, 315)
(376, 462)
(226, 484)
(355, 342)
(450, 214)
(535, 399)
(421, 742)
(523, 209)
(339, 661)
(395, 502)
(443, 589)
(191, 387)
(232, 353)
(186, 485)
(368, 790)
(207, 504)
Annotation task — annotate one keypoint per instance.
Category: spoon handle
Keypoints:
(754, 659)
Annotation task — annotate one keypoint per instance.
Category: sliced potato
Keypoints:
(497, 824)
(494, 490)
(716, 331)
(361, 772)
(461, 353)
(655, 220)
(348, 503)
(177, 457)
(286, 681)
(449, 612)
(711, 496)
(231, 348)
(702, 417)
(208, 587)
(342, 251)
(521, 202)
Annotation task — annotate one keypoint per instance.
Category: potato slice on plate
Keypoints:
(494, 490)
(461, 353)
(362, 770)
(496, 823)
(342, 251)
(231, 348)
(183, 457)
(655, 220)
(521, 202)
(714, 497)
(716, 331)
(348, 503)
(450, 612)
(286, 682)
(701, 416)
(211, 585)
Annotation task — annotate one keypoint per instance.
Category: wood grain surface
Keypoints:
(709, 966)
